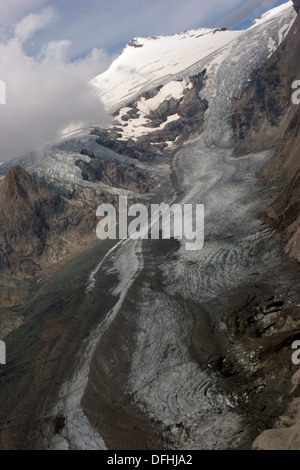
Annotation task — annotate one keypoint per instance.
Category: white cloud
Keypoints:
(12, 11)
(32, 23)
(46, 89)
(45, 93)
(110, 25)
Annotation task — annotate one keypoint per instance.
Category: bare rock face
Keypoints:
(284, 212)
(286, 432)
(266, 117)
(260, 118)
(297, 5)
(118, 175)
(36, 225)
(278, 439)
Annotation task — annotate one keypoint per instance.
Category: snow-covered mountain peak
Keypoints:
(164, 87)
(146, 60)
(146, 63)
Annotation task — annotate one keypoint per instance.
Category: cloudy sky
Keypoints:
(49, 50)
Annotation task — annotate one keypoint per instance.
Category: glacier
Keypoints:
(143, 344)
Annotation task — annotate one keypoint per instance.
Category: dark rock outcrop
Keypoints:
(284, 212)
(297, 5)
(190, 109)
(36, 225)
(118, 175)
(134, 43)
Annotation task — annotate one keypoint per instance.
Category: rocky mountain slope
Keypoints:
(296, 5)
(36, 225)
(266, 117)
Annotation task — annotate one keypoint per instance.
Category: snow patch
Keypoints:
(173, 89)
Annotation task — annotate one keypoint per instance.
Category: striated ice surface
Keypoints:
(77, 432)
(57, 162)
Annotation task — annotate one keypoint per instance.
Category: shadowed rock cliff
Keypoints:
(36, 225)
